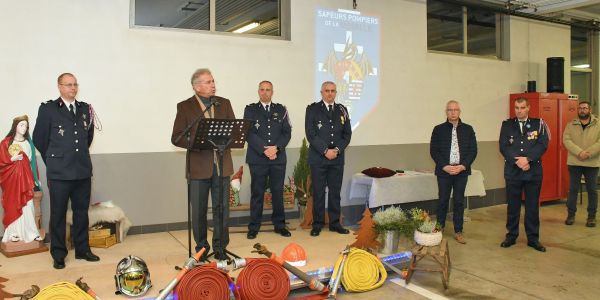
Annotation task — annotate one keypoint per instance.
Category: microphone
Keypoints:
(214, 101)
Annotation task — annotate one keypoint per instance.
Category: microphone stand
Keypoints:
(221, 151)
(187, 133)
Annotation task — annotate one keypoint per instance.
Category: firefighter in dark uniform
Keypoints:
(328, 131)
(523, 141)
(267, 139)
(63, 134)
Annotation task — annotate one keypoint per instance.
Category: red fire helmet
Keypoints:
(294, 255)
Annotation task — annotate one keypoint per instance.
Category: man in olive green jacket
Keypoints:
(582, 139)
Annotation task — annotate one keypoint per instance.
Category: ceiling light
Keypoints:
(583, 66)
(246, 27)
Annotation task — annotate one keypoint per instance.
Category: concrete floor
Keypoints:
(480, 269)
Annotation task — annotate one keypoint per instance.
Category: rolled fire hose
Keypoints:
(205, 282)
(263, 278)
(62, 291)
(313, 282)
(362, 271)
(189, 264)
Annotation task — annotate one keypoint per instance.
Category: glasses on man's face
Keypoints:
(70, 85)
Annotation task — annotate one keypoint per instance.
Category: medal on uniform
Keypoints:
(84, 123)
(83, 116)
(511, 140)
(343, 120)
(61, 132)
(256, 125)
(319, 125)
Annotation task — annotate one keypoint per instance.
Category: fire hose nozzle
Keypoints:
(239, 263)
(222, 265)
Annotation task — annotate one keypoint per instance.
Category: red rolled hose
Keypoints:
(205, 283)
(263, 278)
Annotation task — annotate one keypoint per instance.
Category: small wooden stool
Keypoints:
(440, 254)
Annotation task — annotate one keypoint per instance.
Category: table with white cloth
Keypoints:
(410, 186)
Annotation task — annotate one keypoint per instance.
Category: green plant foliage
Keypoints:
(428, 226)
(393, 218)
(302, 171)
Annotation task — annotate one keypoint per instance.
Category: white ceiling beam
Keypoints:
(562, 6)
(581, 15)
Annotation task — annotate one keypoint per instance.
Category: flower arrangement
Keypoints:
(392, 218)
(288, 191)
(235, 186)
(291, 187)
(427, 232)
(429, 227)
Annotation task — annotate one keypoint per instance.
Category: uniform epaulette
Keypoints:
(49, 101)
(313, 104)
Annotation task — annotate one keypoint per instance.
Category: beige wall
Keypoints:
(134, 77)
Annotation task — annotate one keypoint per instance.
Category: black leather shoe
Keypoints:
(537, 246)
(89, 256)
(283, 232)
(591, 222)
(315, 232)
(251, 234)
(507, 243)
(339, 229)
(570, 220)
(59, 263)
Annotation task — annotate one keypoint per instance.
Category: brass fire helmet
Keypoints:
(132, 277)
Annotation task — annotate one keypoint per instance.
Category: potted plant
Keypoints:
(289, 191)
(427, 231)
(300, 179)
(389, 224)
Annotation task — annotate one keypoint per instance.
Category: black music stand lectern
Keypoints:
(220, 135)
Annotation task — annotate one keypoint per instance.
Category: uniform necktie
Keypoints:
(522, 125)
(72, 110)
(331, 111)
(267, 108)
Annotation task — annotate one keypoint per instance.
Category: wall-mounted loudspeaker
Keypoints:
(555, 74)
(531, 86)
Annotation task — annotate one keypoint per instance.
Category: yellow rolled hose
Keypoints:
(362, 271)
(62, 291)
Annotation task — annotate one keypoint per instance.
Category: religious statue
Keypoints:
(21, 190)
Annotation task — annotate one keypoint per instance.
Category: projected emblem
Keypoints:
(347, 53)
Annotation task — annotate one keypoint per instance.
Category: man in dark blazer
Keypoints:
(328, 131)
(267, 139)
(63, 134)
(453, 147)
(204, 172)
(523, 141)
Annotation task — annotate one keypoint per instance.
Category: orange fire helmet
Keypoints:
(294, 255)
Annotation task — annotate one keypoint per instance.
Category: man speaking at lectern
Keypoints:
(204, 172)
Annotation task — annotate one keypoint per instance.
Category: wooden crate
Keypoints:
(103, 242)
(113, 229)
(99, 233)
